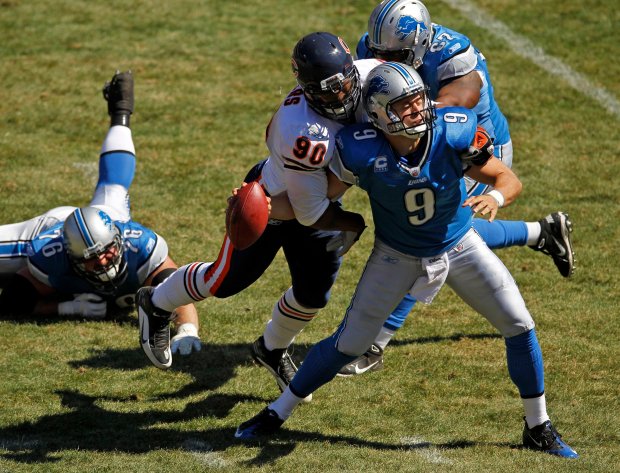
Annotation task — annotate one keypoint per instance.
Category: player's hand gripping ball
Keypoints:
(247, 215)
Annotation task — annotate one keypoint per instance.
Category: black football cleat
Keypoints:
(154, 329)
(555, 241)
(544, 438)
(119, 95)
(370, 361)
(278, 362)
(264, 423)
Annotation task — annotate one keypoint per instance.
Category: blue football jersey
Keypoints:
(451, 55)
(417, 210)
(144, 251)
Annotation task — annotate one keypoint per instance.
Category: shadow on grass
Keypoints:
(215, 365)
(396, 342)
(89, 427)
(114, 314)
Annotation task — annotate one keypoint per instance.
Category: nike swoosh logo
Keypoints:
(561, 246)
(363, 370)
(144, 326)
(534, 440)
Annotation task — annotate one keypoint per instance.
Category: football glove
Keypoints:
(480, 150)
(185, 340)
(89, 306)
(343, 241)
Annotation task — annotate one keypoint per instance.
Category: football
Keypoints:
(247, 215)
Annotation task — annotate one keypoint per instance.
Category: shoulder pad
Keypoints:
(459, 124)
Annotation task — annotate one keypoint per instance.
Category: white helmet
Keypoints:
(88, 233)
(388, 83)
(400, 30)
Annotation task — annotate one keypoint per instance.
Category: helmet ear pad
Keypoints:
(89, 233)
(324, 69)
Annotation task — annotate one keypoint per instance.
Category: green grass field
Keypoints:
(81, 396)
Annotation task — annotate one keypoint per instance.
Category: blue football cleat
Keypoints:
(545, 438)
(264, 423)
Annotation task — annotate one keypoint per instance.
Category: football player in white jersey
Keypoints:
(76, 261)
(300, 138)
(410, 161)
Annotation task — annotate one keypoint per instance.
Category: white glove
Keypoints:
(185, 340)
(343, 242)
(90, 306)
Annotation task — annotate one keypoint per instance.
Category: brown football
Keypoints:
(247, 215)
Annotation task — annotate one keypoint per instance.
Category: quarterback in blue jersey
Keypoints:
(75, 261)
(411, 163)
(457, 75)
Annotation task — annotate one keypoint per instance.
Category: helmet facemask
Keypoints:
(324, 97)
(89, 235)
(422, 117)
(324, 69)
(389, 84)
(90, 268)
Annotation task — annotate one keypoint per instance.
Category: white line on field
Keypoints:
(203, 452)
(525, 48)
(426, 450)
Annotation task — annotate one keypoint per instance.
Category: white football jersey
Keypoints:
(301, 145)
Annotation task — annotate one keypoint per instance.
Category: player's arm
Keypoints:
(463, 91)
(186, 320)
(26, 295)
(506, 187)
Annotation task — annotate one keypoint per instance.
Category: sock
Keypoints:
(525, 364)
(384, 337)
(535, 411)
(399, 315)
(533, 233)
(320, 366)
(288, 319)
(184, 286)
(501, 233)
(284, 405)
(118, 139)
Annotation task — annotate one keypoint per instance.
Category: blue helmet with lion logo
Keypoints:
(389, 83)
(88, 233)
(400, 30)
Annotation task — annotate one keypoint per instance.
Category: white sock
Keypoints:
(533, 233)
(284, 405)
(184, 286)
(535, 411)
(384, 337)
(118, 139)
(288, 319)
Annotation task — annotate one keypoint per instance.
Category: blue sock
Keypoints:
(398, 317)
(117, 167)
(525, 364)
(320, 366)
(501, 233)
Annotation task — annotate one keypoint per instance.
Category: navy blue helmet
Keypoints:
(323, 66)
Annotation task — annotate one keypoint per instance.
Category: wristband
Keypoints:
(498, 196)
(187, 328)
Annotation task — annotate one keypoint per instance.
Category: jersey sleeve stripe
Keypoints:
(294, 164)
